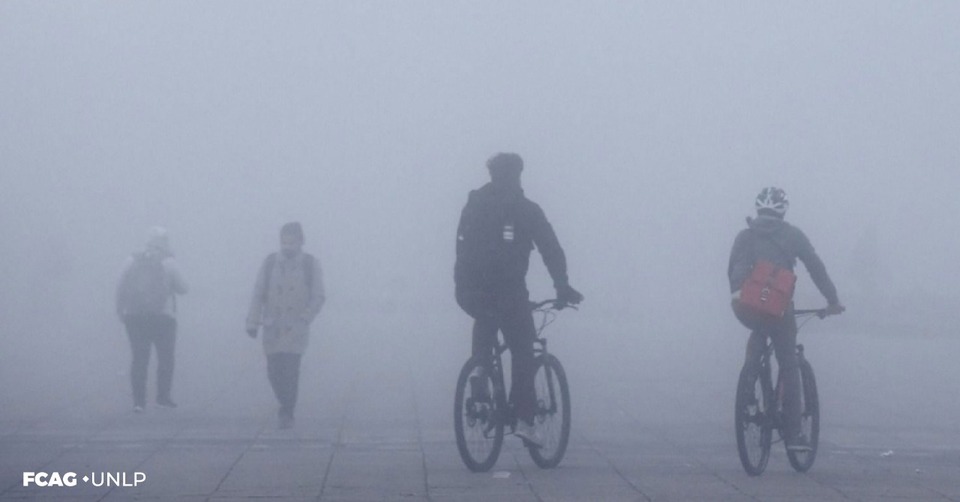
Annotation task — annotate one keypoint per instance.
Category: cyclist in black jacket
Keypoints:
(498, 228)
(770, 238)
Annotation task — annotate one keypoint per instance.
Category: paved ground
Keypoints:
(650, 423)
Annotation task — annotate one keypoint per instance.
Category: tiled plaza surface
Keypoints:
(375, 423)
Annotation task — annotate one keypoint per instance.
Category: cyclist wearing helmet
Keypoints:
(498, 229)
(768, 237)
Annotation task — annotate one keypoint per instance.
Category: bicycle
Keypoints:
(482, 412)
(759, 409)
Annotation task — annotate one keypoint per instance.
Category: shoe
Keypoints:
(286, 421)
(138, 409)
(528, 434)
(166, 403)
(799, 444)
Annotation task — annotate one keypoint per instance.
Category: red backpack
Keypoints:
(768, 290)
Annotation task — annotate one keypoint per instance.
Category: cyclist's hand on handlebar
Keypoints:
(567, 295)
(835, 309)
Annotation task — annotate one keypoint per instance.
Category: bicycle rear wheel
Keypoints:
(552, 418)
(809, 419)
(752, 421)
(477, 417)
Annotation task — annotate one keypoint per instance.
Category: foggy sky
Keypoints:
(647, 129)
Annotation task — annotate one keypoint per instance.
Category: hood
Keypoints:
(498, 194)
(766, 224)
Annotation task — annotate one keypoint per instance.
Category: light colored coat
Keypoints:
(284, 305)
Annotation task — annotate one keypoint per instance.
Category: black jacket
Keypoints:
(489, 262)
(781, 243)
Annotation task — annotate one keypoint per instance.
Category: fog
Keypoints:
(646, 128)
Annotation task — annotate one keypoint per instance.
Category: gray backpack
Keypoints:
(144, 286)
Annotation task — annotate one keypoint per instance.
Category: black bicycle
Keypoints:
(759, 409)
(482, 412)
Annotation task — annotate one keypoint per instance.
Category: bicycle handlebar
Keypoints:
(554, 303)
(821, 313)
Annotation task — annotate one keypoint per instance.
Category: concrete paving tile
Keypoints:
(117, 496)
(277, 471)
(262, 498)
(470, 497)
(488, 491)
(699, 486)
(382, 472)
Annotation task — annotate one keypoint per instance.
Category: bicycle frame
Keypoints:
(773, 391)
(755, 424)
(481, 423)
(547, 310)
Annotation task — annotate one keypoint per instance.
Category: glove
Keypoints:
(566, 294)
(835, 309)
(252, 332)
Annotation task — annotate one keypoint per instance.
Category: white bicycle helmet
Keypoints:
(773, 199)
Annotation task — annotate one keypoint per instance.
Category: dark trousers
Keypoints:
(784, 336)
(144, 332)
(283, 370)
(519, 333)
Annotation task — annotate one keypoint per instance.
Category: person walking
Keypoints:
(287, 297)
(146, 304)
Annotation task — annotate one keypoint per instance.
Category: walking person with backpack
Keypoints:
(762, 282)
(287, 297)
(146, 303)
(498, 229)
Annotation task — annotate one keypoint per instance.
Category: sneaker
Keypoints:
(799, 444)
(138, 409)
(166, 403)
(528, 434)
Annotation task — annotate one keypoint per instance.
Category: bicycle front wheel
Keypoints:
(752, 421)
(477, 417)
(552, 418)
(809, 419)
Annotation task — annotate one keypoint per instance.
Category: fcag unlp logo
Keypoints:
(70, 479)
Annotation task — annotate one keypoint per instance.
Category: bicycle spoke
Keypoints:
(752, 422)
(553, 412)
(479, 432)
(809, 419)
